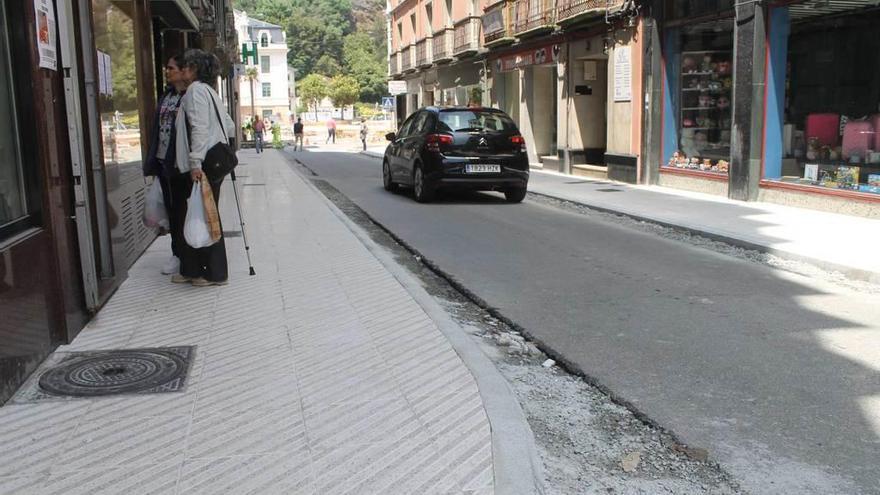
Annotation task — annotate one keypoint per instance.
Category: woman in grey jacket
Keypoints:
(198, 130)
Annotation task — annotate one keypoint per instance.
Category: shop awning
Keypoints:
(810, 9)
(174, 14)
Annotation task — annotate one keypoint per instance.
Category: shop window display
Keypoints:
(831, 110)
(705, 100)
(12, 190)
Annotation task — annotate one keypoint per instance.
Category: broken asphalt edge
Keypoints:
(517, 466)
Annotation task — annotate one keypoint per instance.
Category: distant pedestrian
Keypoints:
(298, 134)
(331, 131)
(259, 129)
(364, 132)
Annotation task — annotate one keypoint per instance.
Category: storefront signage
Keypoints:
(538, 56)
(249, 52)
(397, 87)
(46, 32)
(622, 73)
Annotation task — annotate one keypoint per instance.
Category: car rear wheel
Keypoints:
(389, 184)
(422, 192)
(515, 195)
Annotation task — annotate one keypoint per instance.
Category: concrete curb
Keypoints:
(518, 468)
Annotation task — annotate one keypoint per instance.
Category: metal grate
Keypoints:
(102, 373)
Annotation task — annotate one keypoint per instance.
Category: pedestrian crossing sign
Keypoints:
(388, 101)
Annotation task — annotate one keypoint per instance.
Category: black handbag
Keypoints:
(220, 159)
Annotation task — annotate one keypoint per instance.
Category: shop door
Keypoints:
(543, 109)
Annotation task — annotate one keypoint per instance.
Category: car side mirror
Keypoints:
(390, 136)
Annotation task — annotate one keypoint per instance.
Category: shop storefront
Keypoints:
(822, 135)
(700, 97)
(524, 84)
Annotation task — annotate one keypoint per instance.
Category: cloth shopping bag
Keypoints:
(212, 216)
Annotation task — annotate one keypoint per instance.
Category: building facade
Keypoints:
(746, 100)
(79, 86)
(264, 49)
(564, 71)
(775, 93)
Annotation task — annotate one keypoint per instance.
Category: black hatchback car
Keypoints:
(441, 148)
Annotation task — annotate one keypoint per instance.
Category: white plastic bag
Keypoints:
(155, 214)
(195, 229)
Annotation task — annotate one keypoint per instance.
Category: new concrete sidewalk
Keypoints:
(328, 372)
(831, 241)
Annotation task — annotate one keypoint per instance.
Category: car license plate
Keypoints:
(482, 168)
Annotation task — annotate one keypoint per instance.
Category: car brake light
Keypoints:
(435, 140)
(520, 141)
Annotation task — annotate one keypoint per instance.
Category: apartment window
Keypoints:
(265, 65)
(267, 90)
(429, 13)
(448, 12)
(400, 34)
(412, 22)
(264, 40)
(475, 7)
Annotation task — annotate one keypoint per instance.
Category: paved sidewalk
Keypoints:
(828, 240)
(327, 372)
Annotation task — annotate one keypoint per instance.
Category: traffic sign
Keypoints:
(388, 101)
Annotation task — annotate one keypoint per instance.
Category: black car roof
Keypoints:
(453, 108)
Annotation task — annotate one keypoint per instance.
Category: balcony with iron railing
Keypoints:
(406, 61)
(441, 45)
(497, 24)
(467, 37)
(568, 11)
(423, 52)
(533, 16)
(393, 64)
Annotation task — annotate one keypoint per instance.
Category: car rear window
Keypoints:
(474, 120)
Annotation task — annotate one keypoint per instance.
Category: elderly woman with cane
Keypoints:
(200, 126)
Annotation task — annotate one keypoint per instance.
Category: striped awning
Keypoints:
(810, 9)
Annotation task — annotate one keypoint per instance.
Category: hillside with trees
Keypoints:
(332, 38)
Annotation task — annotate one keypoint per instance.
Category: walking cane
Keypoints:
(247, 249)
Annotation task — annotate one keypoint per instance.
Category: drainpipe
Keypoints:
(566, 152)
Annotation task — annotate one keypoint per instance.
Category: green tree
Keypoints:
(252, 74)
(309, 39)
(363, 63)
(273, 11)
(327, 66)
(313, 89)
(344, 91)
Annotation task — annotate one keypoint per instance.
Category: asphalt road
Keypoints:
(775, 374)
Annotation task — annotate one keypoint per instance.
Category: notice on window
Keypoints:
(622, 74)
(46, 33)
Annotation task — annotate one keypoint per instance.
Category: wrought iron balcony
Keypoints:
(441, 45)
(533, 16)
(497, 24)
(393, 64)
(423, 52)
(467, 41)
(406, 61)
(574, 10)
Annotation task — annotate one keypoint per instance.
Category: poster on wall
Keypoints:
(44, 10)
(622, 74)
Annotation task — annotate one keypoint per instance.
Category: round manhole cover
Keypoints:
(113, 373)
